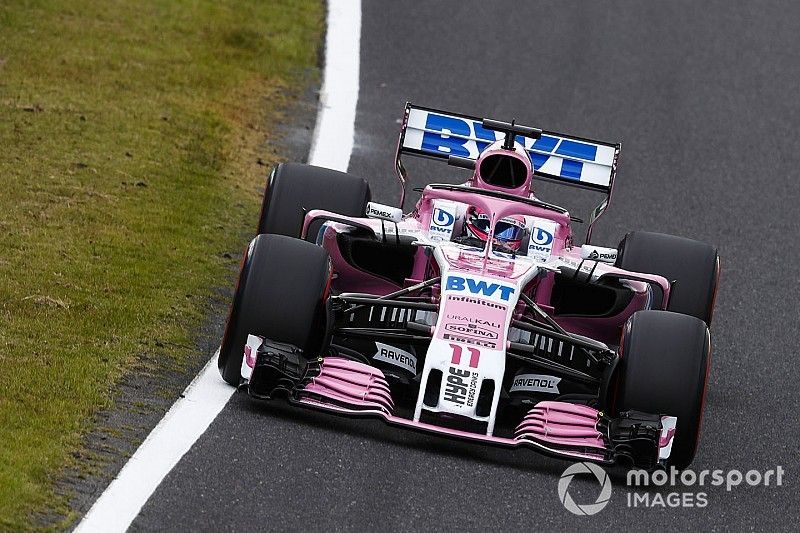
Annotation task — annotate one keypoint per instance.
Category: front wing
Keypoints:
(346, 387)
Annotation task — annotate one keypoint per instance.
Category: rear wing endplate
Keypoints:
(556, 157)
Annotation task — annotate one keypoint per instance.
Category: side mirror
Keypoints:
(384, 212)
(598, 253)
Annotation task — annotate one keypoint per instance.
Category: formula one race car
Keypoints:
(476, 315)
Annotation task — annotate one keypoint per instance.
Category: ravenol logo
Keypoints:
(451, 135)
(442, 217)
(458, 283)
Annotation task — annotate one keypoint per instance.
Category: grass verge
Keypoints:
(129, 135)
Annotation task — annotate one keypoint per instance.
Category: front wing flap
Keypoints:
(562, 429)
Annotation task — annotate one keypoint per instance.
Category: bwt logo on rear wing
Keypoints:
(555, 156)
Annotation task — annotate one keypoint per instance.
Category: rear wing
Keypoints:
(556, 157)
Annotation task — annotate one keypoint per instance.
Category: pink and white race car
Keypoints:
(476, 315)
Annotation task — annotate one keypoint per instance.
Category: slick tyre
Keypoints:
(294, 189)
(692, 267)
(281, 295)
(663, 369)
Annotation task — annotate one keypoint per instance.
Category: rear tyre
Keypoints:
(691, 266)
(663, 370)
(293, 189)
(280, 295)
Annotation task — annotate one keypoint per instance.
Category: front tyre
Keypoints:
(663, 369)
(281, 295)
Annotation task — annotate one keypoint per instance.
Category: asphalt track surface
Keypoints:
(704, 97)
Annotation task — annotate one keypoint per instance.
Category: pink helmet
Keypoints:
(509, 231)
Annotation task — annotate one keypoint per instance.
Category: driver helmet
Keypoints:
(509, 231)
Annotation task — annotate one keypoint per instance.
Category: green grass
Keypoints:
(129, 135)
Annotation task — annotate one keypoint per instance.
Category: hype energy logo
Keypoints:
(467, 138)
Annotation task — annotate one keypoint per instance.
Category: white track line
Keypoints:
(187, 419)
(336, 118)
(206, 396)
